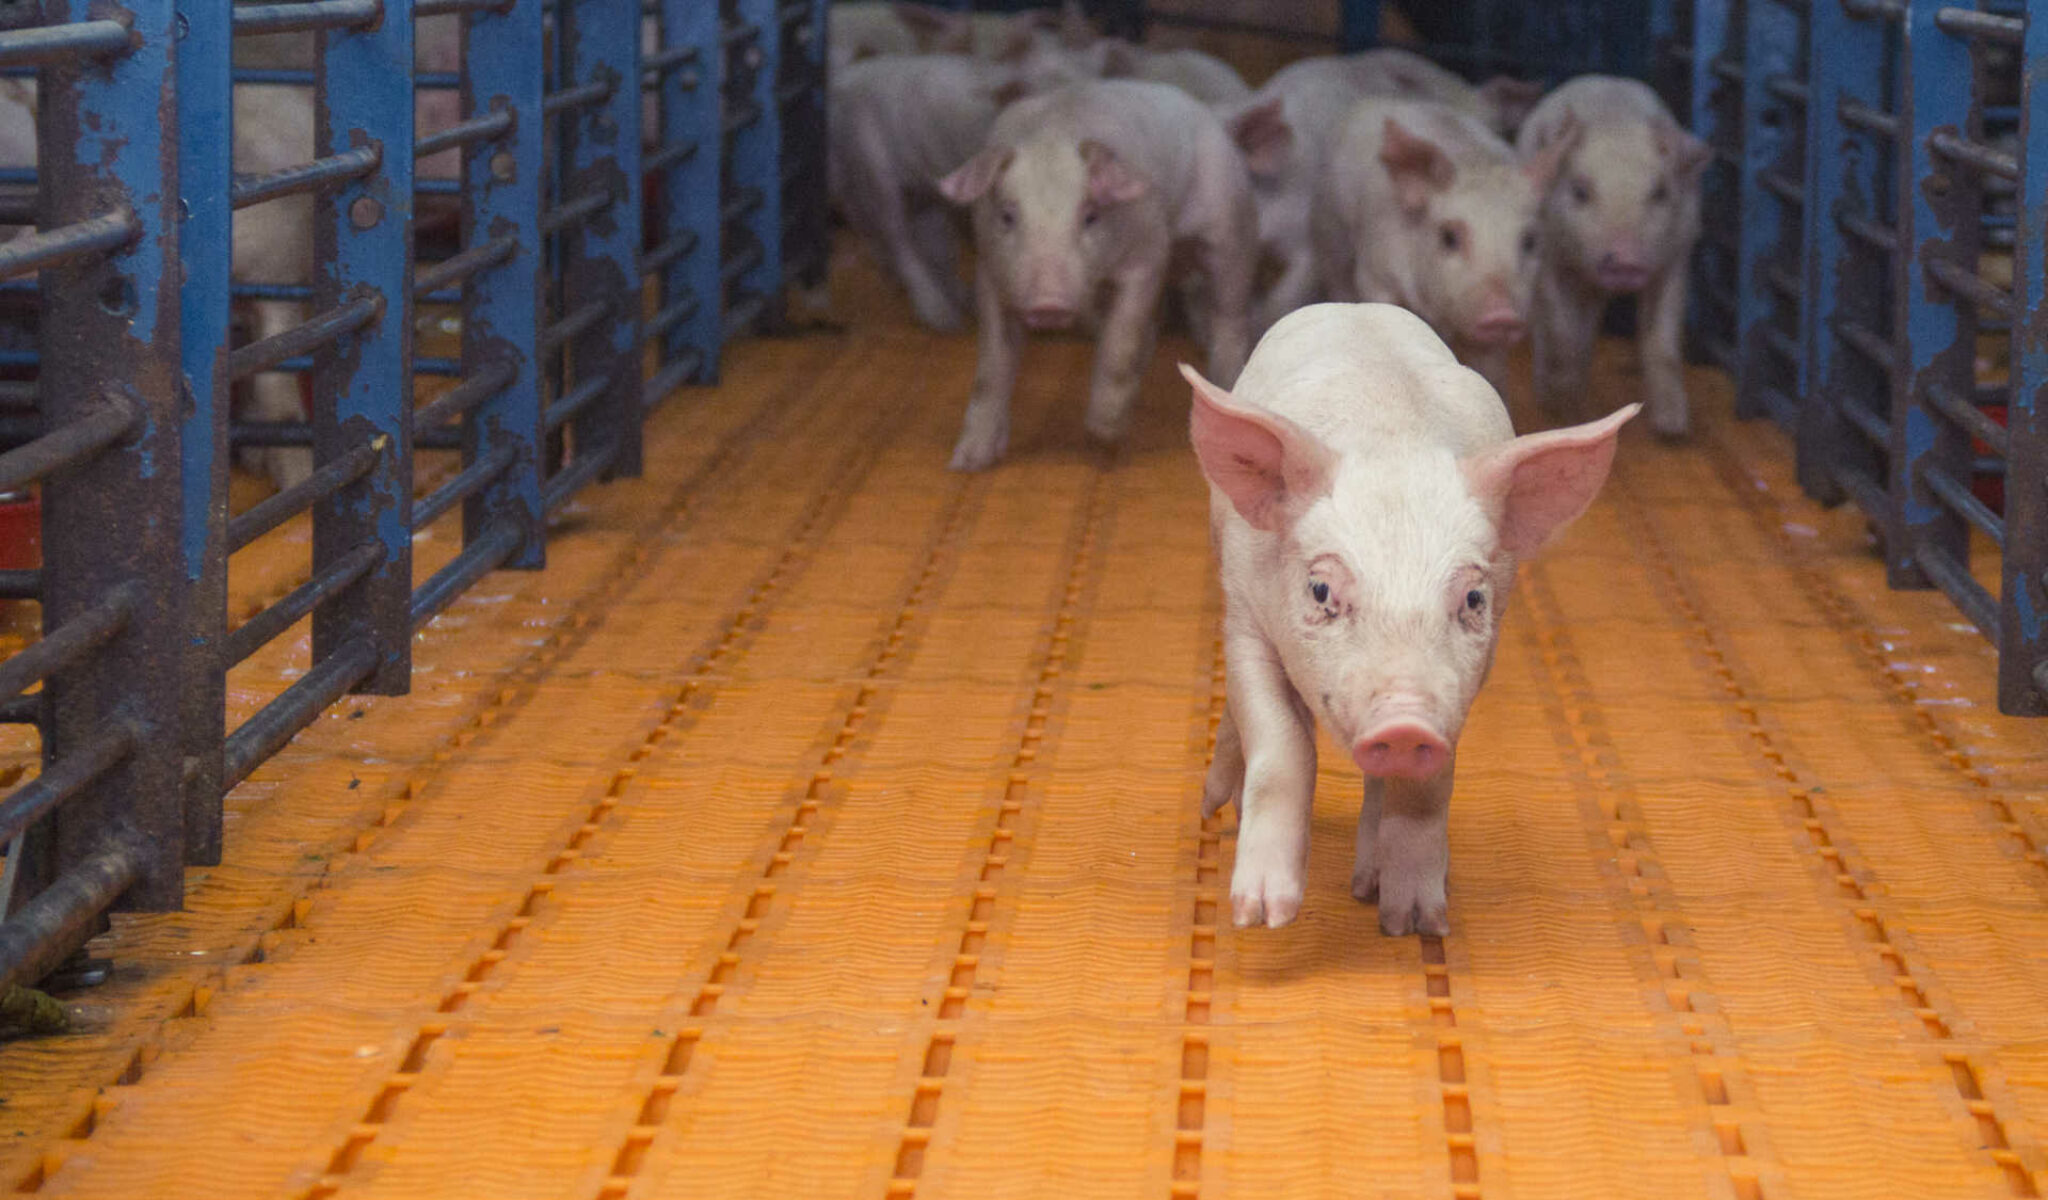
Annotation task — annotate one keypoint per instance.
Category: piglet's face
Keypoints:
(1625, 203)
(1046, 218)
(1393, 571)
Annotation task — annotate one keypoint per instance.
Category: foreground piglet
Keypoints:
(1087, 189)
(1368, 502)
(1422, 206)
(1620, 220)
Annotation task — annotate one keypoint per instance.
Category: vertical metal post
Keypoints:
(116, 521)
(502, 71)
(362, 386)
(205, 130)
(800, 94)
(1941, 206)
(601, 152)
(756, 159)
(1845, 280)
(1710, 37)
(1770, 47)
(2023, 594)
(690, 112)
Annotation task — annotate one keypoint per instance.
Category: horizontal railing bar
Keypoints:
(263, 734)
(52, 43)
(668, 317)
(742, 201)
(21, 583)
(741, 262)
(68, 444)
(743, 313)
(329, 478)
(1875, 10)
(735, 33)
(673, 250)
(1969, 418)
(572, 211)
(453, 271)
(663, 61)
(437, 366)
(276, 349)
(1784, 343)
(22, 710)
(583, 95)
(487, 381)
(62, 917)
(438, 8)
(1967, 594)
(1782, 281)
(581, 321)
(1984, 26)
(580, 471)
(479, 558)
(1865, 422)
(1975, 154)
(1962, 502)
(462, 133)
(1789, 88)
(309, 14)
(62, 778)
(66, 644)
(260, 630)
(48, 247)
(1967, 285)
(466, 483)
(250, 190)
(436, 187)
(1726, 70)
(669, 378)
(739, 116)
(1858, 115)
(1867, 343)
(1784, 189)
(1874, 234)
(673, 154)
(575, 400)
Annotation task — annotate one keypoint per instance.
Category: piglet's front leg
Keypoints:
(1404, 852)
(1124, 350)
(985, 430)
(1279, 746)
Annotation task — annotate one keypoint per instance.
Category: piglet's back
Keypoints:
(1370, 378)
(1158, 129)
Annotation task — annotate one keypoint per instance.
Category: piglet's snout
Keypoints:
(1402, 750)
(1499, 322)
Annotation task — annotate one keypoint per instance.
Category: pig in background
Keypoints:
(1620, 219)
(1368, 503)
(1087, 190)
(869, 28)
(1422, 206)
(1290, 125)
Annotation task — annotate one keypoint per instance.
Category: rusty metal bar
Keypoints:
(251, 190)
(67, 444)
(65, 644)
(465, 484)
(258, 631)
(43, 933)
(279, 507)
(308, 15)
(302, 339)
(35, 251)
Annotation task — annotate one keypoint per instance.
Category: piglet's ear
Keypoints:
(1541, 165)
(1687, 153)
(1510, 100)
(1110, 179)
(1540, 483)
(1418, 168)
(1264, 462)
(1262, 132)
(976, 176)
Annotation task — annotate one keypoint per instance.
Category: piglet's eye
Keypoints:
(1320, 591)
(1661, 193)
(1475, 600)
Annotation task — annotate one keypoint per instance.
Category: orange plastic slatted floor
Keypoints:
(823, 824)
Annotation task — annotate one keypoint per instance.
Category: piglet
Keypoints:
(1422, 206)
(1621, 219)
(1368, 501)
(1092, 188)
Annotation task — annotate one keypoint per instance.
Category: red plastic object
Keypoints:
(1989, 488)
(21, 534)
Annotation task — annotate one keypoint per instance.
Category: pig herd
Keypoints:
(1382, 232)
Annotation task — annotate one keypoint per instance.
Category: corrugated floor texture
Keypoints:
(821, 824)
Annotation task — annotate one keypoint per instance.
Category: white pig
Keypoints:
(871, 27)
(1422, 206)
(1501, 102)
(898, 124)
(1368, 502)
(1090, 187)
(1621, 219)
(1203, 76)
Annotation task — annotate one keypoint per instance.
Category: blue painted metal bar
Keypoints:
(1937, 223)
(362, 388)
(110, 522)
(502, 304)
(2022, 633)
(1716, 121)
(754, 158)
(1773, 40)
(600, 147)
(1848, 280)
(205, 180)
(799, 86)
(687, 191)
